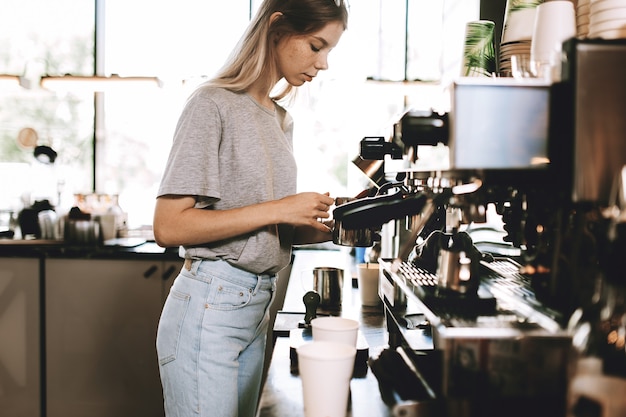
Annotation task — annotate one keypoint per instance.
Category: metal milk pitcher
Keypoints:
(328, 283)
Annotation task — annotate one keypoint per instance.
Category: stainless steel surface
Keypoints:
(48, 223)
(373, 169)
(354, 237)
(470, 348)
(328, 282)
(596, 71)
(82, 231)
(454, 271)
(512, 315)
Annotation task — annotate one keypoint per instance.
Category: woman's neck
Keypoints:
(261, 93)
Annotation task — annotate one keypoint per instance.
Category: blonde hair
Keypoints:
(253, 56)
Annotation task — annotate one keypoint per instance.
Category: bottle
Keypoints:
(121, 226)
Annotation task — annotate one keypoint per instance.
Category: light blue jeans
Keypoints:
(211, 340)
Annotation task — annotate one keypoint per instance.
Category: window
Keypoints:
(49, 37)
(117, 142)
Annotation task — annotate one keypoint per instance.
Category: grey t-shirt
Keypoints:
(228, 152)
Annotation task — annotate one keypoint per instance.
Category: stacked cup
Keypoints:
(607, 19)
(479, 57)
(517, 33)
(555, 22)
(326, 366)
(582, 18)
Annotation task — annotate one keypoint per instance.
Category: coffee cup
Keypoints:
(367, 277)
(325, 369)
(335, 329)
(555, 22)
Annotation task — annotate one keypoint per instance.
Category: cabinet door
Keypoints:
(20, 377)
(170, 272)
(101, 320)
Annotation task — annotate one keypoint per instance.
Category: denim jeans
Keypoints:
(211, 340)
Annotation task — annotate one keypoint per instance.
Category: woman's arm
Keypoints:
(178, 222)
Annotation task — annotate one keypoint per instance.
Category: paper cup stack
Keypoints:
(555, 23)
(517, 32)
(607, 19)
(582, 18)
(479, 56)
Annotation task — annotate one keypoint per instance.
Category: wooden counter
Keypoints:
(282, 392)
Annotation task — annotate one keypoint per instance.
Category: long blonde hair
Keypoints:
(253, 56)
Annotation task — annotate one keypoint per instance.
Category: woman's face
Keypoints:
(299, 58)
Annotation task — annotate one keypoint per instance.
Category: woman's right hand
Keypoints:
(306, 209)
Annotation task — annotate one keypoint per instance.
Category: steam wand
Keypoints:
(422, 218)
(417, 225)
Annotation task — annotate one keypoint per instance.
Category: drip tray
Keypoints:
(450, 304)
(444, 303)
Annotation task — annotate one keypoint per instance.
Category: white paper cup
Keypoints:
(335, 329)
(479, 58)
(367, 277)
(555, 22)
(325, 370)
(519, 25)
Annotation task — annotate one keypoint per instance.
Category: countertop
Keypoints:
(282, 392)
(122, 248)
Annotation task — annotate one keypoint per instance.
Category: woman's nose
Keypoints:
(322, 62)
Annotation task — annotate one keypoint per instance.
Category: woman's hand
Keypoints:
(316, 225)
(306, 209)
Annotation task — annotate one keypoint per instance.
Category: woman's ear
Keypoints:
(274, 17)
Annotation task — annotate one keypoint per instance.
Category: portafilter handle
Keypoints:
(373, 212)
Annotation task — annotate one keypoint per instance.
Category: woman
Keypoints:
(228, 199)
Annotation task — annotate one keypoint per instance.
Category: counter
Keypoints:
(282, 392)
(123, 248)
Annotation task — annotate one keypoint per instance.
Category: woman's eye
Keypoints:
(314, 49)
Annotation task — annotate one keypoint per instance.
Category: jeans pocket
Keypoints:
(170, 326)
(227, 295)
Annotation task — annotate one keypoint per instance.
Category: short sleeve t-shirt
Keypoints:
(228, 152)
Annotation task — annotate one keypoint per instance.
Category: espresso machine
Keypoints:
(479, 327)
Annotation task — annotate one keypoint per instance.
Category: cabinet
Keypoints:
(170, 272)
(20, 350)
(101, 321)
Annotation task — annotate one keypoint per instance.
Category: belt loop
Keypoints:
(259, 281)
(195, 264)
(192, 265)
